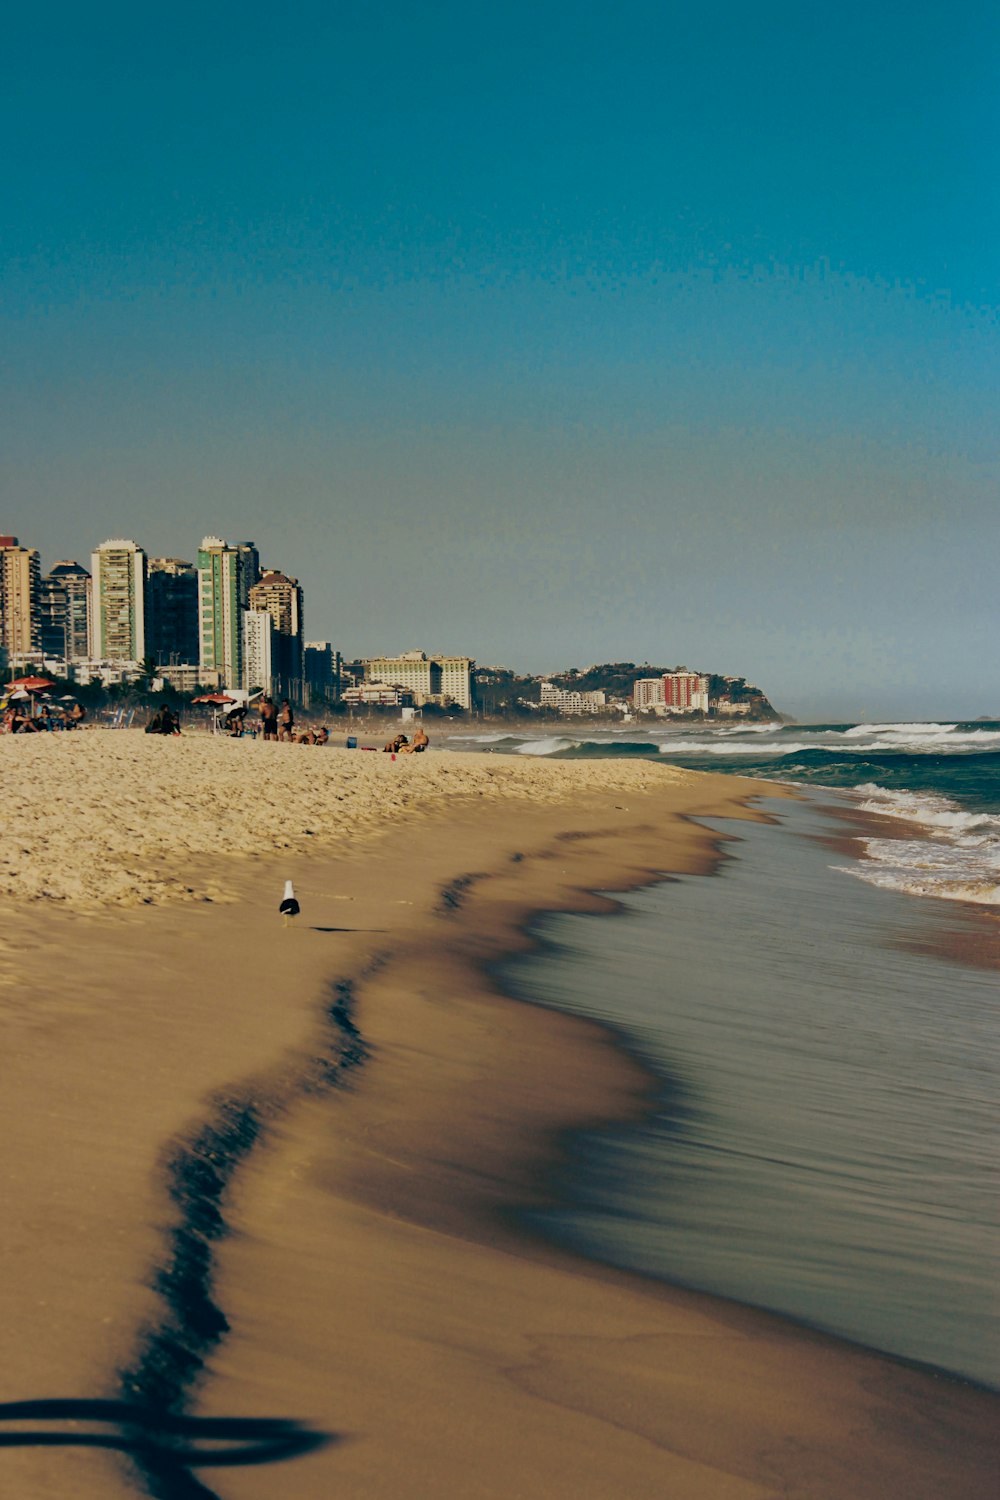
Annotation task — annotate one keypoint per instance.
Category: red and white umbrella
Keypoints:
(216, 698)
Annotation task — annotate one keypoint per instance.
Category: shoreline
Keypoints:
(490, 1223)
(309, 1214)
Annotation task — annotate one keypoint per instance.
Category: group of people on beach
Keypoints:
(18, 719)
(275, 724)
(401, 745)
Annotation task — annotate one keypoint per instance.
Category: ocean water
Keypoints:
(943, 776)
(826, 1141)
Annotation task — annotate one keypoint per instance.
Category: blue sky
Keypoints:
(551, 334)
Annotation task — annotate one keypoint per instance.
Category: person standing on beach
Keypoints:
(268, 718)
(286, 721)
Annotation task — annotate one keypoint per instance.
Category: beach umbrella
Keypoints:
(215, 698)
(32, 684)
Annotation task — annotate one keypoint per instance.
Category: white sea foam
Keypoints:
(921, 730)
(686, 747)
(548, 746)
(958, 861)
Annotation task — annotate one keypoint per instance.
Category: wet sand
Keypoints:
(374, 1277)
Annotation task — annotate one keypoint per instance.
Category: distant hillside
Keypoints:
(618, 678)
(500, 690)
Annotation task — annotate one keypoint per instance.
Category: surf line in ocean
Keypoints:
(940, 779)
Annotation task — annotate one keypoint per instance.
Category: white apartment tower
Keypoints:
(258, 650)
(118, 601)
(227, 571)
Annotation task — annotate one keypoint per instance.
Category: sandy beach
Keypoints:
(265, 1172)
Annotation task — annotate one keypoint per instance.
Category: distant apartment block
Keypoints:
(118, 601)
(227, 571)
(378, 695)
(321, 670)
(20, 582)
(172, 612)
(685, 692)
(187, 676)
(570, 702)
(648, 692)
(64, 608)
(431, 679)
(281, 597)
(258, 651)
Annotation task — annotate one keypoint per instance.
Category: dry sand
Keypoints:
(375, 1278)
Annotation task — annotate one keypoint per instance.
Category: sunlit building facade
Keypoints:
(20, 583)
(118, 601)
(227, 571)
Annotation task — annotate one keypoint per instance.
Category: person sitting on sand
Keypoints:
(286, 721)
(321, 736)
(234, 721)
(394, 746)
(305, 738)
(162, 722)
(268, 718)
(76, 716)
(419, 743)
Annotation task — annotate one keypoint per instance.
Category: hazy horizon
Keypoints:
(545, 336)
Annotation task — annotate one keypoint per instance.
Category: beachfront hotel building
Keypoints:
(227, 571)
(64, 607)
(431, 679)
(118, 602)
(20, 582)
(281, 597)
(172, 612)
(569, 701)
(685, 692)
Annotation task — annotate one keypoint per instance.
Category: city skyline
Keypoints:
(573, 338)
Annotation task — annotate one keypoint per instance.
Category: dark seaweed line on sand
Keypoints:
(172, 1353)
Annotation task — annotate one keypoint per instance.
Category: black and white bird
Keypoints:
(289, 906)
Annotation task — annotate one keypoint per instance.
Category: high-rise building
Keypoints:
(118, 601)
(428, 678)
(321, 670)
(227, 571)
(20, 577)
(172, 611)
(64, 606)
(685, 692)
(647, 692)
(258, 651)
(281, 597)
